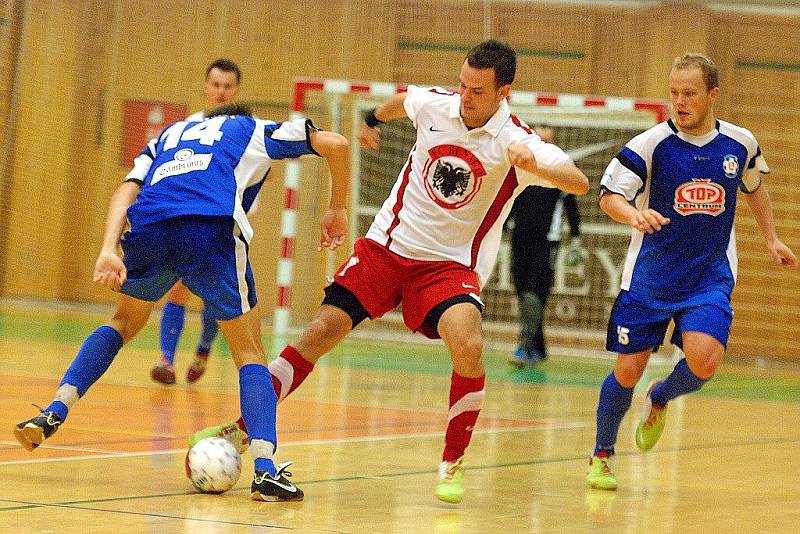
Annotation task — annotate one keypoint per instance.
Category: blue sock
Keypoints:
(266, 464)
(92, 360)
(614, 402)
(258, 403)
(59, 408)
(209, 332)
(680, 382)
(171, 327)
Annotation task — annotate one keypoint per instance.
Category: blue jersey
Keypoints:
(693, 181)
(214, 167)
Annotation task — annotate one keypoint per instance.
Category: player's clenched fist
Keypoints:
(369, 137)
(521, 156)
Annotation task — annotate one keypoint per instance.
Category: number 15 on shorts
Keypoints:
(622, 335)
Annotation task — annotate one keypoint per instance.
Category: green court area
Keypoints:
(41, 323)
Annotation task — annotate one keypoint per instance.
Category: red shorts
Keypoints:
(380, 280)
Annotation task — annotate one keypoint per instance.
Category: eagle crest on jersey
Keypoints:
(455, 179)
(450, 180)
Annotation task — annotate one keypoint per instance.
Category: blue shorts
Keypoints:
(636, 326)
(206, 253)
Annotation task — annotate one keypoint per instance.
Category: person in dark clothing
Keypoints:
(535, 240)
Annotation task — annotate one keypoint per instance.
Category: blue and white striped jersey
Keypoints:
(213, 167)
(692, 180)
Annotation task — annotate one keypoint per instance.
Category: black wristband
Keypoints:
(371, 120)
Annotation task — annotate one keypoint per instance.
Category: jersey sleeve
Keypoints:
(626, 174)
(417, 97)
(756, 168)
(250, 196)
(142, 164)
(290, 139)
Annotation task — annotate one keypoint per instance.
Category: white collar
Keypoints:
(697, 140)
(493, 125)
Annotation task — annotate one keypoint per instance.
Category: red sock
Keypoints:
(288, 371)
(288, 368)
(466, 400)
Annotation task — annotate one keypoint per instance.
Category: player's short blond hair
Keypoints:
(707, 67)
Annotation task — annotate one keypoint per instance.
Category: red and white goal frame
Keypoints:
(380, 90)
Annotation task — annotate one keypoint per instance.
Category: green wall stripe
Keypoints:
(552, 54)
(535, 52)
(768, 65)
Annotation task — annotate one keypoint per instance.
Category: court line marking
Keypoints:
(62, 448)
(28, 505)
(103, 455)
(582, 457)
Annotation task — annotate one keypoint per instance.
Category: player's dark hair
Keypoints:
(225, 65)
(231, 108)
(707, 67)
(493, 54)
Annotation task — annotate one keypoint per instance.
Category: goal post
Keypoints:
(592, 129)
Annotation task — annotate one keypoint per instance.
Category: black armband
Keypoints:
(371, 120)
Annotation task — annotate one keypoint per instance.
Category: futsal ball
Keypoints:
(213, 465)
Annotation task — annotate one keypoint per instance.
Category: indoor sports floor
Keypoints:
(365, 432)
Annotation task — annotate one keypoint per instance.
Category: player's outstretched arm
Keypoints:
(761, 206)
(566, 177)
(109, 271)
(618, 208)
(370, 135)
(336, 151)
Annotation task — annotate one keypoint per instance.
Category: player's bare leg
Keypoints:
(460, 329)
(703, 354)
(328, 328)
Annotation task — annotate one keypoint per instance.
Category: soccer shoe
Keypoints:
(228, 431)
(34, 431)
(525, 358)
(601, 474)
(197, 367)
(277, 488)
(163, 372)
(451, 481)
(651, 423)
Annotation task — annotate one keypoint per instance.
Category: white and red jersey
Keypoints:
(457, 187)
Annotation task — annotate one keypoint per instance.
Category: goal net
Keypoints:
(591, 129)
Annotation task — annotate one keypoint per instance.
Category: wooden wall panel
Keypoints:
(761, 91)
(89, 139)
(40, 162)
(554, 46)
(276, 42)
(433, 38)
(11, 22)
(619, 57)
(668, 36)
